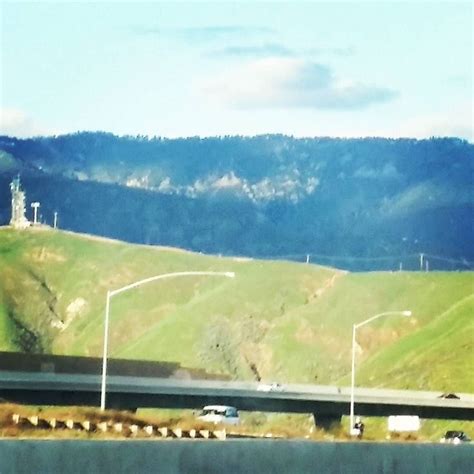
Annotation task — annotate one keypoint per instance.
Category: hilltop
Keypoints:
(275, 320)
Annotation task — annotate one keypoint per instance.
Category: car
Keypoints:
(450, 396)
(455, 437)
(220, 414)
(270, 387)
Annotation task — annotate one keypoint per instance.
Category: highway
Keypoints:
(326, 402)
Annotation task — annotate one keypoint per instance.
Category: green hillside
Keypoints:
(276, 320)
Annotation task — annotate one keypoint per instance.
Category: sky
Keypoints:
(175, 69)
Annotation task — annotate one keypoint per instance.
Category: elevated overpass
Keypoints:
(327, 403)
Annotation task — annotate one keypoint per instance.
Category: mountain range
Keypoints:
(358, 204)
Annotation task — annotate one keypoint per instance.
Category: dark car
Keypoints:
(455, 437)
(450, 396)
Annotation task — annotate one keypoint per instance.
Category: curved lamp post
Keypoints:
(111, 293)
(354, 328)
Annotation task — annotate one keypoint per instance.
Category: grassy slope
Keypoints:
(445, 346)
(290, 322)
(6, 331)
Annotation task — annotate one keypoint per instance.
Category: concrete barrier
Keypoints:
(219, 434)
(125, 429)
(148, 430)
(33, 420)
(133, 429)
(102, 426)
(235, 456)
(118, 427)
(15, 361)
(30, 421)
(87, 425)
(71, 425)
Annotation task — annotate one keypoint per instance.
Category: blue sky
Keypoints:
(183, 69)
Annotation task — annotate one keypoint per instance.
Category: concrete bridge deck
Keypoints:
(144, 392)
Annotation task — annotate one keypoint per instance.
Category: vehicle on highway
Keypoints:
(220, 414)
(455, 437)
(404, 423)
(270, 387)
(450, 396)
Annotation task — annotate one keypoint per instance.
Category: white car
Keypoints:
(220, 414)
(270, 387)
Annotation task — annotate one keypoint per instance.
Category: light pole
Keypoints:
(35, 206)
(354, 327)
(111, 293)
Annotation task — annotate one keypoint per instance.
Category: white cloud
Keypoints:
(291, 82)
(16, 123)
(255, 51)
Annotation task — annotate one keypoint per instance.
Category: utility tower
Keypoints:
(18, 220)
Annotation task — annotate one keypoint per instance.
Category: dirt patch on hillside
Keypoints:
(306, 334)
(316, 291)
(371, 339)
(74, 309)
(43, 254)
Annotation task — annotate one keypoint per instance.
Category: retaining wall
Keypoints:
(18, 361)
(231, 456)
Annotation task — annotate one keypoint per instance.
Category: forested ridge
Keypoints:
(366, 203)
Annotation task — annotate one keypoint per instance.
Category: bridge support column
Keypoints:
(327, 421)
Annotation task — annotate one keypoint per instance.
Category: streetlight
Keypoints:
(111, 293)
(354, 327)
